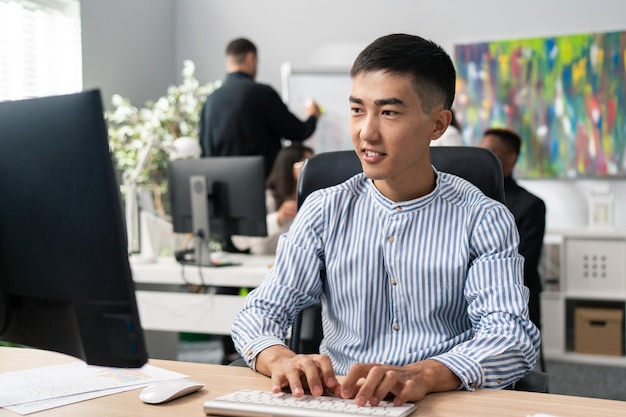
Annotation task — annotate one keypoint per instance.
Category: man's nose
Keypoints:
(370, 129)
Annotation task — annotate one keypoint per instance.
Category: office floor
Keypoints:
(565, 377)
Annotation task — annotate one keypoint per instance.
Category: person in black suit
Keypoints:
(244, 117)
(528, 209)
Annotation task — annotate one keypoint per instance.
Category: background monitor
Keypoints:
(65, 279)
(217, 197)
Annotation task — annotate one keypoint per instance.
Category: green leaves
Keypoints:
(175, 114)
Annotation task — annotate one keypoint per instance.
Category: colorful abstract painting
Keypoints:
(565, 95)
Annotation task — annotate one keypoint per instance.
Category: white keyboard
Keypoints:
(246, 403)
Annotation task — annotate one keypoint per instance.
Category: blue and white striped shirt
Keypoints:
(437, 277)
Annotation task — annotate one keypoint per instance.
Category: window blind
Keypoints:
(40, 48)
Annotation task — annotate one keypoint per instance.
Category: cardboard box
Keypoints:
(599, 331)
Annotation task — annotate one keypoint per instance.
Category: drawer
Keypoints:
(595, 266)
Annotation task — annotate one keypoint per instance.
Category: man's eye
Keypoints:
(389, 112)
(356, 110)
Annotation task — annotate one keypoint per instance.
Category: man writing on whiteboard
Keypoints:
(244, 117)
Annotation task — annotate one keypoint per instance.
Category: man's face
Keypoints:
(499, 148)
(391, 134)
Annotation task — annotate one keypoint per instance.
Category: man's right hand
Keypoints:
(313, 109)
(298, 372)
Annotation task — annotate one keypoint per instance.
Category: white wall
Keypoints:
(128, 48)
(567, 201)
(332, 32)
(329, 33)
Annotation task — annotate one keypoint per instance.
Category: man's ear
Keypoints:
(442, 121)
(250, 58)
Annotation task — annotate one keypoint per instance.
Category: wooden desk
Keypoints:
(220, 380)
(165, 304)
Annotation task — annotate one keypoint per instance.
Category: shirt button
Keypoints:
(394, 282)
(396, 327)
(249, 352)
(499, 381)
(390, 239)
(398, 208)
(473, 384)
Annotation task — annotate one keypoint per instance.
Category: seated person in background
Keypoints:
(452, 136)
(423, 289)
(528, 209)
(280, 199)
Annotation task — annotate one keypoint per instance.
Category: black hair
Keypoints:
(239, 48)
(425, 61)
(280, 180)
(510, 138)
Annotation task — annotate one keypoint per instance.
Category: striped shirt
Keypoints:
(438, 277)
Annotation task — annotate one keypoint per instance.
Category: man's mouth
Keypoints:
(372, 154)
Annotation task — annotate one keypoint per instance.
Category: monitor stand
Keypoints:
(200, 255)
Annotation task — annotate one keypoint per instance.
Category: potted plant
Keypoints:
(149, 132)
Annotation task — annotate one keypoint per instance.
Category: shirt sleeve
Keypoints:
(282, 121)
(293, 284)
(505, 344)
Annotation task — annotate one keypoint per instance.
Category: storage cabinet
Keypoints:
(584, 298)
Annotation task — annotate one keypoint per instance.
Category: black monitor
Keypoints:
(65, 279)
(216, 198)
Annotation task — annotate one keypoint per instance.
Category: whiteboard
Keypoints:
(331, 90)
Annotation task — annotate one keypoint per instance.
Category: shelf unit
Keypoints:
(582, 269)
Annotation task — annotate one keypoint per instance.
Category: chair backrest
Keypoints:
(477, 165)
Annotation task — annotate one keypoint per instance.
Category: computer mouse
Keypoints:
(165, 391)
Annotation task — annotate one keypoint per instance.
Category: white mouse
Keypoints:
(169, 390)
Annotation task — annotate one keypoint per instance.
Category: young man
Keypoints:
(244, 117)
(423, 288)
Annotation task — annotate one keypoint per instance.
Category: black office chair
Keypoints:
(477, 165)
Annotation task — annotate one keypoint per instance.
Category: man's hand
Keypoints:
(297, 372)
(312, 109)
(373, 382)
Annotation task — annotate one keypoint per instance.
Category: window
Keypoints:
(40, 48)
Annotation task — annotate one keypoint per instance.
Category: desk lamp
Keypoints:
(184, 147)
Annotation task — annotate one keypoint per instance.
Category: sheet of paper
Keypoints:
(36, 406)
(56, 381)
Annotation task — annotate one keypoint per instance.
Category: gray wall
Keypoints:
(331, 32)
(136, 47)
(129, 48)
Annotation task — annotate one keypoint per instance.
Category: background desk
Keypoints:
(166, 304)
(221, 380)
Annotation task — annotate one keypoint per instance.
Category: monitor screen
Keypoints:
(65, 279)
(217, 197)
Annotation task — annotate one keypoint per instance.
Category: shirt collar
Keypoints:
(403, 206)
(238, 74)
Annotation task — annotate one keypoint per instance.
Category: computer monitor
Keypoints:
(65, 279)
(215, 198)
